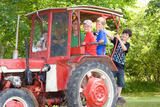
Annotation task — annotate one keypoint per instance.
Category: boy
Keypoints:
(101, 38)
(89, 38)
(119, 58)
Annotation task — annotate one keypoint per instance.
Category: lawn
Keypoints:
(144, 99)
(141, 99)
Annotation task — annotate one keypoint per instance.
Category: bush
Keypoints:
(141, 86)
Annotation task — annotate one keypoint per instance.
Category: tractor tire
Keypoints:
(15, 98)
(82, 89)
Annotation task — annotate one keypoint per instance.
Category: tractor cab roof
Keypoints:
(90, 8)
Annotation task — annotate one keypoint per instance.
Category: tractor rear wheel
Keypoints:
(91, 84)
(15, 98)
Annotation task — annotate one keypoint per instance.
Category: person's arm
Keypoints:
(43, 46)
(101, 36)
(55, 41)
(38, 45)
(109, 35)
(86, 39)
(82, 37)
(62, 41)
(122, 44)
(101, 41)
(83, 43)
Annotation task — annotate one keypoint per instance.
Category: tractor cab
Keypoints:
(49, 36)
(52, 30)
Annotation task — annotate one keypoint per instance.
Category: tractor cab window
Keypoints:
(59, 35)
(40, 33)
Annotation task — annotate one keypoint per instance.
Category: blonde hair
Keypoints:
(101, 20)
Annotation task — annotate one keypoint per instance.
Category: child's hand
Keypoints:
(62, 40)
(83, 43)
(38, 45)
(117, 36)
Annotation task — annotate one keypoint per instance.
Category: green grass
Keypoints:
(144, 99)
(141, 99)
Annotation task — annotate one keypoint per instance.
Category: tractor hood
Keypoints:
(19, 65)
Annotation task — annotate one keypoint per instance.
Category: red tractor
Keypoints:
(59, 75)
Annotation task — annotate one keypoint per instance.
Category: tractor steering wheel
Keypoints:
(96, 43)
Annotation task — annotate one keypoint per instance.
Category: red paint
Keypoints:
(13, 103)
(78, 59)
(53, 101)
(80, 50)
(35, 90)
(96, 13)
(21, 63)
(96, 92)
(63, 73)
(41, 83)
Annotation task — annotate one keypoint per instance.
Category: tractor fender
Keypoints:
(100, 58)
(29, 92)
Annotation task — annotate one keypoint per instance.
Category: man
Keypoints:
(74, 36)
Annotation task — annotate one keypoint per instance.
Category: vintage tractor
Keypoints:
(58, 74)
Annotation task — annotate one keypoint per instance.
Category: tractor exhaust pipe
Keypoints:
(15, 52)
(28, 73)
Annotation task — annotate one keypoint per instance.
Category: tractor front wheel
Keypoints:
(15, 98)
(93, 85)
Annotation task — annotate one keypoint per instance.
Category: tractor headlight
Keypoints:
(47, 67)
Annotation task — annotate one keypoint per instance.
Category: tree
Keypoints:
(143, 62)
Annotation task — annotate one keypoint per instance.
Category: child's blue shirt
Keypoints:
(101, 50)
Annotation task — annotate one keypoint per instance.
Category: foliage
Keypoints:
(141, 86)
(8, 23)
(143, 61)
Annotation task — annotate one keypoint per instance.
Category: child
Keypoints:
(119, 58)
(41, 45)
(89, 38)
(101, 38)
